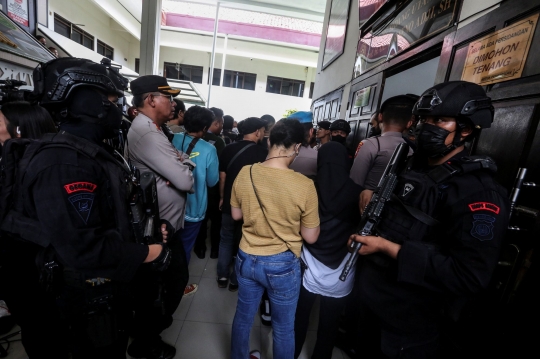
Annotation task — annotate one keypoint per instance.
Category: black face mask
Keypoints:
(430, 140)
(112, 121)
(374, 131)
(339, 139)
(89, 105)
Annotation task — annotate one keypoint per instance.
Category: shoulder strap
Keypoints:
(192, 145)
(239, 153)
(378, 144)
(416, 213)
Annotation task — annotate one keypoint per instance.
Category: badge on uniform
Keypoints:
(83, 204)
(407, 189)
(483, 227)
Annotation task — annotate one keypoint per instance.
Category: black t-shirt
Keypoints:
(251, 155)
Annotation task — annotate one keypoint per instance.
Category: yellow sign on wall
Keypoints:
(500, 56)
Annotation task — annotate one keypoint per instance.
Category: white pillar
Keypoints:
(150, 31)
(213, 56)
(223, 60)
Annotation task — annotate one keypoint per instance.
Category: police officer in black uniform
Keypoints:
(439, 240)
(75, 202)
(339, 130)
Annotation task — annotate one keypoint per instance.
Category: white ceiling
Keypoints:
(303, 9)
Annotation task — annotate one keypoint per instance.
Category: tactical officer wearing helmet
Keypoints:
(75, 204)
(439, 240)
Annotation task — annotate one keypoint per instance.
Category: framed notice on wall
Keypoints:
(335, 33)
(17, 10)
(500, 56)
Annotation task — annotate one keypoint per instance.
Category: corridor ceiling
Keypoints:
(302, 9)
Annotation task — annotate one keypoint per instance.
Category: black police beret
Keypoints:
(152, 83)
(324, 124)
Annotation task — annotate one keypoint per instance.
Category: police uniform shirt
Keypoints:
(150, 150)
(372, 156)
(306, 161)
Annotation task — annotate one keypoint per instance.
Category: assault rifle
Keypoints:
(382, 194)
(145, 209)
(145, 220)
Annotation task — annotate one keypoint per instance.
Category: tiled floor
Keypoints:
(202, 323)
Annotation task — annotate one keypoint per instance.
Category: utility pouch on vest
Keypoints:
(51, 277)
(102, 326)
(93, 301)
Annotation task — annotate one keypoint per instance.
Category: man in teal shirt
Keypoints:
(196, 122)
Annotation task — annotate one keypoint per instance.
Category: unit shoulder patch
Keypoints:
(482, 228)
(484, 206)
(80, 187)
(82, 203)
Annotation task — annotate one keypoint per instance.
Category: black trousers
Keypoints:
(98, 318)
(158, 294)
(327, 329)
(43, 332)
(213, 214)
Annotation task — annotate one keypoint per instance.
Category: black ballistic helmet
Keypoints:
(459, 99)
(54, 81)
(340, 125)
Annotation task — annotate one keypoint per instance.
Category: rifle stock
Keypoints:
(372, 214)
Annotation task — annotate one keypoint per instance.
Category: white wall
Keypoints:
(98, 24)
(241, 103)
(270, 51)
(340, 71)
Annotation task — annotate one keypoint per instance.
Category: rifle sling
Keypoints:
(416, 213)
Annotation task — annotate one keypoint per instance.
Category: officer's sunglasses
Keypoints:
(171, 98)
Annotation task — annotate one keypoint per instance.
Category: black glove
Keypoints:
(161, 263)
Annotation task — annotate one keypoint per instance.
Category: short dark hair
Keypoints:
(269, 120)
(228, 122)
(33, 120)
(198, 118)
(250, 125)
(39, 37)
(217, 111)
(287, 132)
(179, 107)
(307, 126)
(397, 110)
(138, 100)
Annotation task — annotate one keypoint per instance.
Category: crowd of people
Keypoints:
(91, 257)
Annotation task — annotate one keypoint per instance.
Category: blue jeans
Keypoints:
(279, 274)
(231, 232)
(188, 236)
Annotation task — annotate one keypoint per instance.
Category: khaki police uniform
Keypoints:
(372, 156)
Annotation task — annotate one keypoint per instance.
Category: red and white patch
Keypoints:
(80, 187)
(358, 148)
(484, 206)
